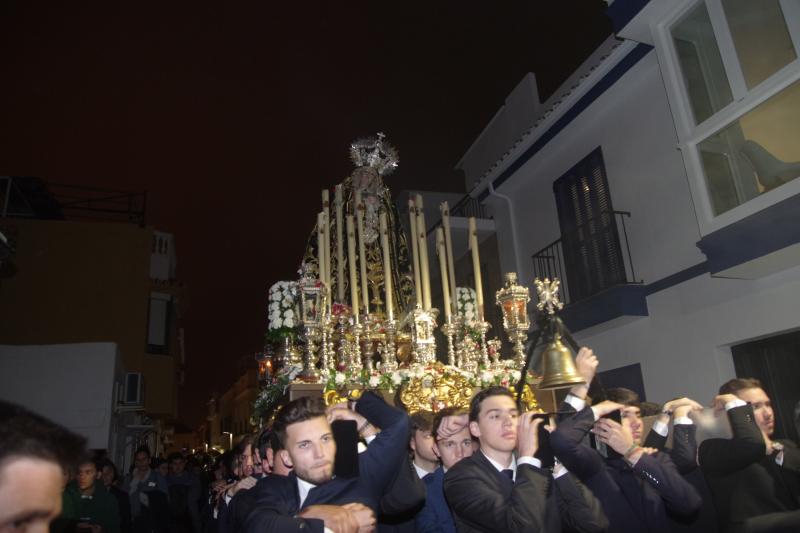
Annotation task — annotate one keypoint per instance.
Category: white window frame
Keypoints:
(744, 100)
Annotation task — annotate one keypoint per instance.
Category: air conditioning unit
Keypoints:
(133, 393)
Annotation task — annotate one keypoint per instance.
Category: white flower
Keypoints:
(287, 302)
(288, 313)
(486, 376)
(374, 381)
(515, 375)
(288, 322)
(339, 379)
(397, 379)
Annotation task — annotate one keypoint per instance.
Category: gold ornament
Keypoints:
(547, 294)
(436, 388)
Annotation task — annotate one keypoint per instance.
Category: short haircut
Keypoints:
(441, 415)
(26, 434)
(108, 463)
(174, 456)
(275, 442)
(143, 449)
(735, 385)
(263, 443)
(477, 400)
(623, 396)
(650, 408)
(421, 421)
(299, 410)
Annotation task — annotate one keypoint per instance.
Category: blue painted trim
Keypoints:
(622, 300)
(679, 277)
(605, 83)
(757, 235)
(621, 12)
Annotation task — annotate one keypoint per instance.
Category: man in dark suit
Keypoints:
(755, 480)
(311, 498)
(494, 490)
(452, 442)
(635, 486)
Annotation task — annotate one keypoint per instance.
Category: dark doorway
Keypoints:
(591, 247)
(775, 361)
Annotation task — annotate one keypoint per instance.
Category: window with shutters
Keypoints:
(590, 244)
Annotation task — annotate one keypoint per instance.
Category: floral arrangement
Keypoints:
(344, 379)
(466, 303)
(272, 392)
(284, 315)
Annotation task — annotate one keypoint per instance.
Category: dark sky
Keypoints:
(232, 117)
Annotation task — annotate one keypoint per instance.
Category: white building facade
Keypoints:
(659, 184)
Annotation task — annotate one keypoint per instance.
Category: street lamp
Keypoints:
(230, 439)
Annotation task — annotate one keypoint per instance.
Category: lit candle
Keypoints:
(448, 243)
(362, 252)
(351, 257)
(476, 265)
(321, 246)
(326, 208)
(387, 268)
(412, 213)
(423, 255)
(440, 249)
(339, 245)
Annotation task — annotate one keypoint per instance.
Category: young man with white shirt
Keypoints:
(498, 490)
(755, 479)
(421, 443)
(311, 498)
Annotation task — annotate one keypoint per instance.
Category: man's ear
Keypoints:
(475, 430)
(435, 449)
(99, 475)
(286, 458)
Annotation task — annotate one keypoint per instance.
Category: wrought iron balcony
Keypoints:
(589, 258)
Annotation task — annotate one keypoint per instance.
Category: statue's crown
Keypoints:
(373, 152)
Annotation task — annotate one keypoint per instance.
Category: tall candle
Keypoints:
(440, 249)
(476, 265)
(448, 243)
(326, 208)
(362, 251)
(387, 268)
(321, 246)
(423, 255)
(351, 258)
(412, 212)
(339, 245)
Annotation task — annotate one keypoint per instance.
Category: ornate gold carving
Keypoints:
(437, 387)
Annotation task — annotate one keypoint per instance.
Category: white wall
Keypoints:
(633, 125)
(684, 343)
(72, 384)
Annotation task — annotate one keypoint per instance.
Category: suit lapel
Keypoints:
(492, 473)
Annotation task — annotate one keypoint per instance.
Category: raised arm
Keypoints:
(747, 446)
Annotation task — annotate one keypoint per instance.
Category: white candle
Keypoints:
(476, 265)
(412, 214)
(387, 268)
(448, 243)
(423, 255)
(339, 245)
(326, 209)
(351, 257)
(321, 246)
(440, 249)
(362, 251)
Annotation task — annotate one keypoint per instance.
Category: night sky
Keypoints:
(233, 117)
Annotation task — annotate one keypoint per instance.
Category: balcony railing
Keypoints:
(465, 208)
(592, 257)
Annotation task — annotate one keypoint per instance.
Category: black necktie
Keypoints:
(509, 474)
